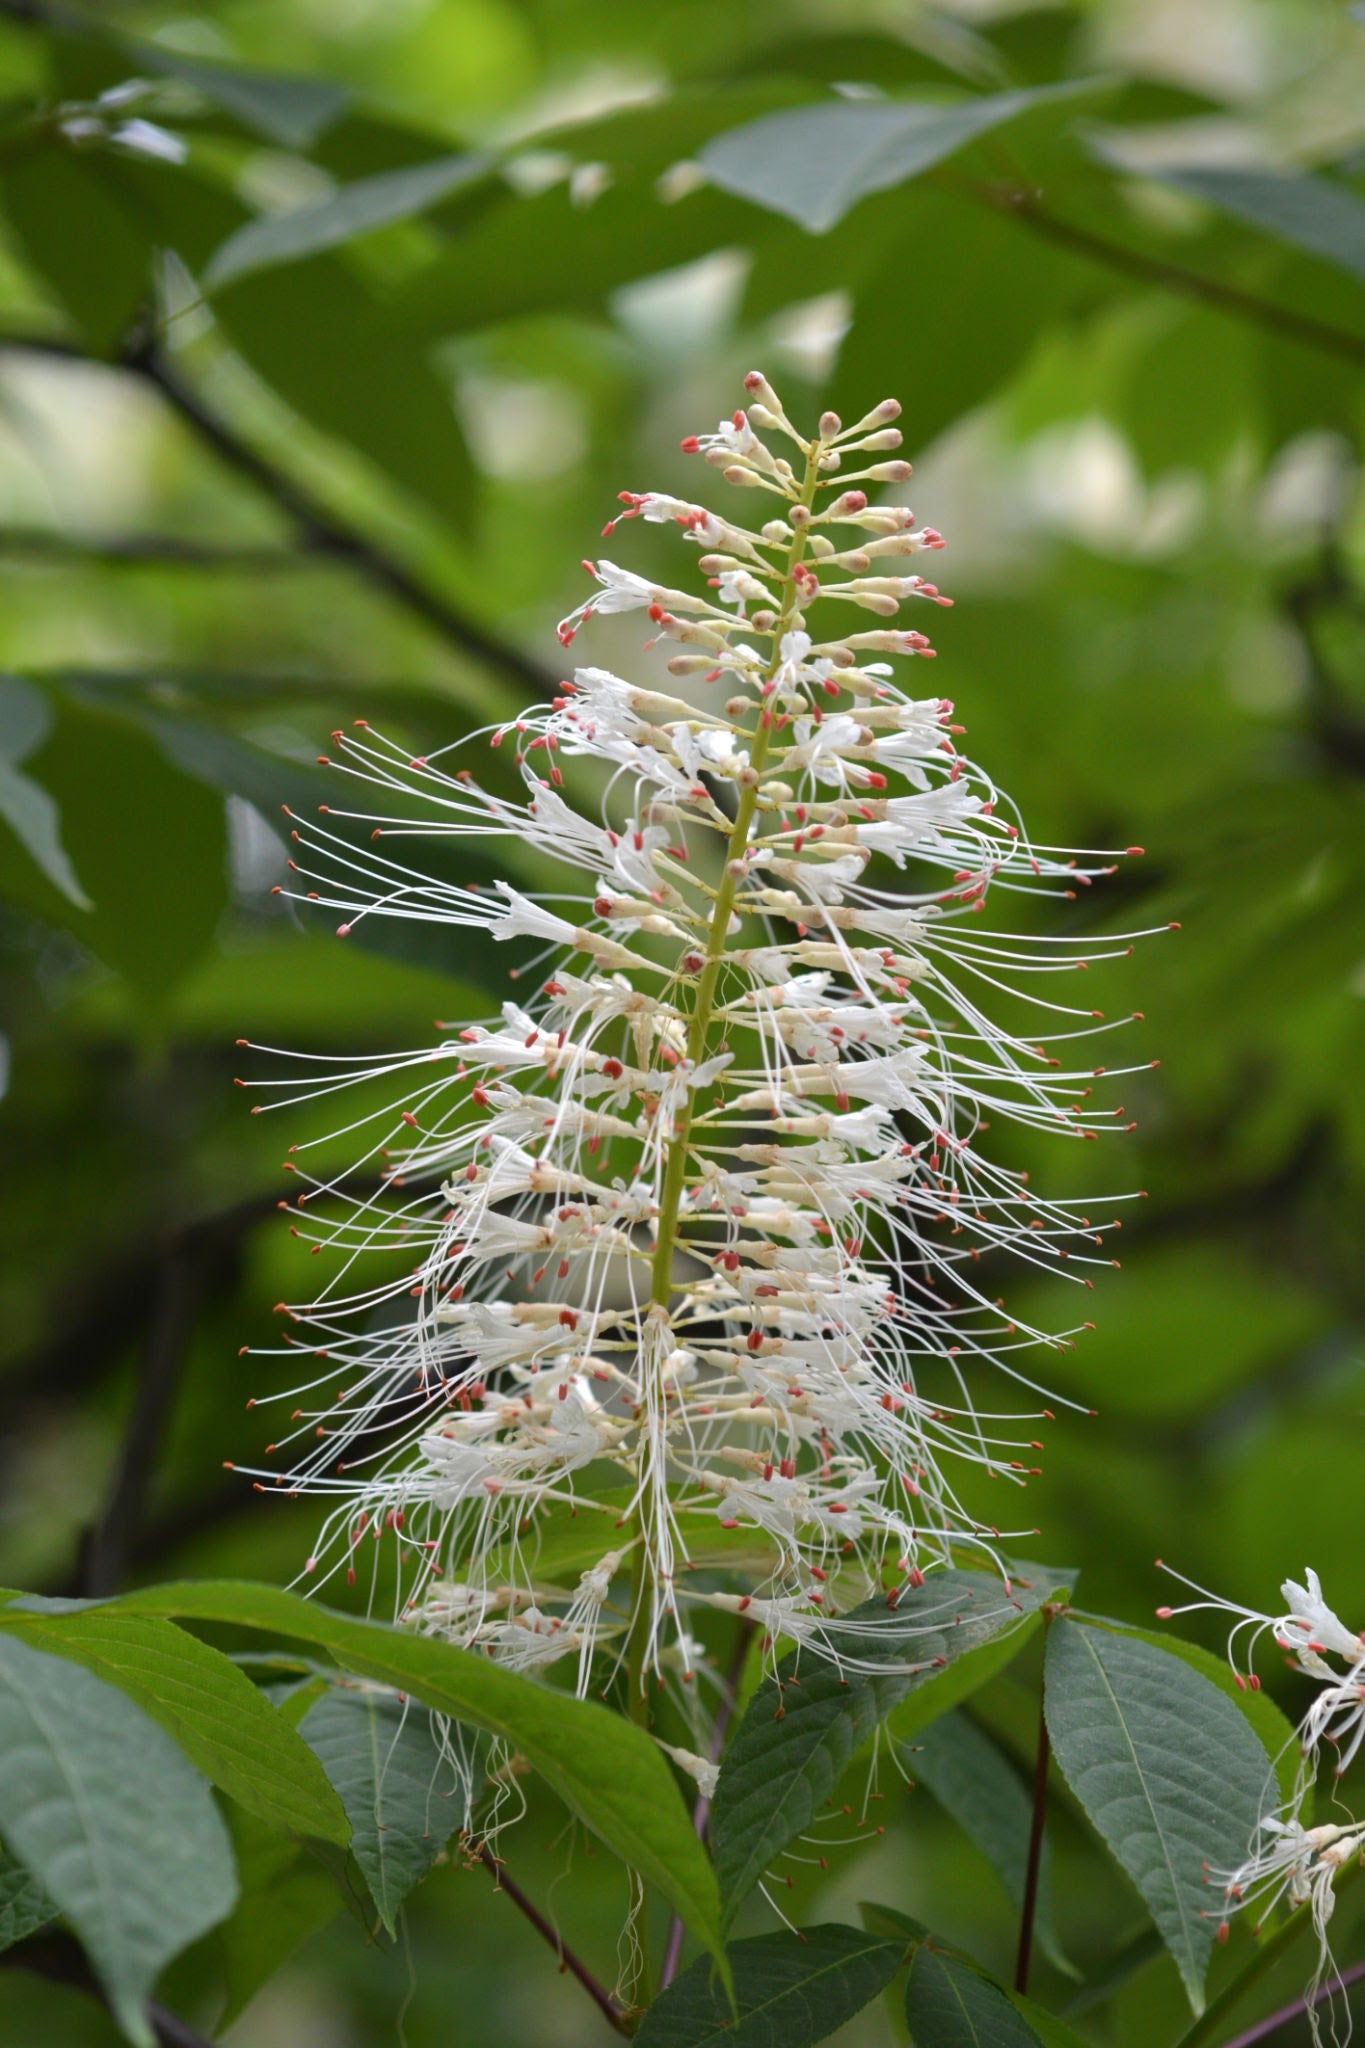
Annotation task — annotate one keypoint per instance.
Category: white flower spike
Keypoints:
(684, 1252)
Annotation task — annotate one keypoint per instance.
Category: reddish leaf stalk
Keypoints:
(617, 2015)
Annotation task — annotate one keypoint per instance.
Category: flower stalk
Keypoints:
(698, 1033)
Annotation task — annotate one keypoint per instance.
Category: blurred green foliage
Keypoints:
(317, 422)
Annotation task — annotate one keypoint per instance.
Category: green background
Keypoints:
(239, 505)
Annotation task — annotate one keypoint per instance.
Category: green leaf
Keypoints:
(1167, 1769)
(291, 111)
(1273, 1727)
(565, 1543)
(24, 1905)
(63, 209)
(25, 719)
(977, 1784)
(273, 784)
(815, 163)
(162, 888)
(394, 1780)
(802, 1726)
(35, 821)
(981, 1650)
(1313, 214)
(354, 209)
(286, 1895)
(317, 333)
(791, 1990)
(947, 232)
(224, 1724)
(104, 1810)
(605, 1770)
(890, 1921)
(949, 2005)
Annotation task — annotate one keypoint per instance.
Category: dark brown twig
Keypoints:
(1023, 205)
(320, 527)
(154, 550)
(616, 2014)
(324, 529)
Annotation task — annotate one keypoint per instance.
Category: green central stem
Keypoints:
(698, 1031)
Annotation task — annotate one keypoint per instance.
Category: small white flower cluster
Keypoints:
(685, 1249)
(1287, 1860)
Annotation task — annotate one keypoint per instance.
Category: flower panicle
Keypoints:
(691, 1251)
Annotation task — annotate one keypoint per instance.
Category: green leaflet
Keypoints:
(815, 163)
(1313, 214)
(606, 1771)
(977, 1784)
(401, 1797)
(802, 1726)
(24, 1905)
(962, 2000)
(948, 2005)
(225, 1725)
(981, 1650)
(353, 209)
(791, 1990)
(1168, 1770)
(287, 1893)
(1271, 1725)
(121, 1832)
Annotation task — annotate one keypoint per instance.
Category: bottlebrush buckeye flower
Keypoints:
(683, 1251)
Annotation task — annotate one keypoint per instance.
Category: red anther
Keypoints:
(603, 906)
(343, 931)
(755, 1340)
(409, 1119)
(689, 444)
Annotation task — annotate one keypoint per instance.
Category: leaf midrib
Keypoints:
(1176, 1892)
